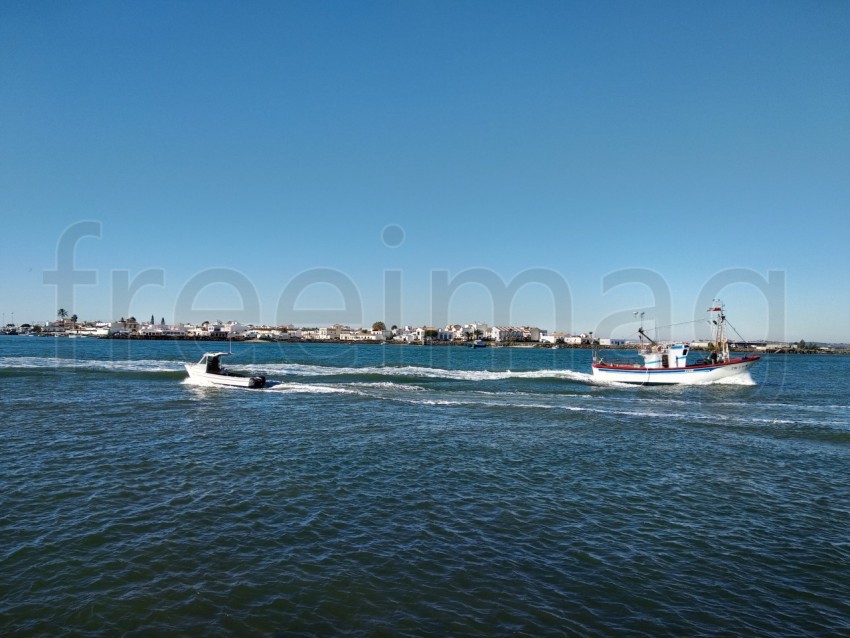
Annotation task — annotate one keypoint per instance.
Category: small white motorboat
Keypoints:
(209, 369)
(668, 363)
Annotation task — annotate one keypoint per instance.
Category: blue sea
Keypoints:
(416, 491)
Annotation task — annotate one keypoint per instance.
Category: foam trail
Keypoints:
(141, 365)
(297, 369)
(308, 388)
(739, 379)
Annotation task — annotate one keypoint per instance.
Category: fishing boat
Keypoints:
(478, 343)
(209, 369)
(667, 363)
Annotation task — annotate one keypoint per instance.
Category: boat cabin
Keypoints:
(212, 362)
(674, 355)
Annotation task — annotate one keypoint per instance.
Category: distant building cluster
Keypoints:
(132, 328)
(453, 333)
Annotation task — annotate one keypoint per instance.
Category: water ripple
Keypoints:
(405, 500)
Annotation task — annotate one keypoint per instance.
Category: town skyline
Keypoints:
(67, 324)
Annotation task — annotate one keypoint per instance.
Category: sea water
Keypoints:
(409, 490)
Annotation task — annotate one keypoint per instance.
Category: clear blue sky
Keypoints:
(274, 140)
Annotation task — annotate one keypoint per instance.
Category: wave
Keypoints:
(660, 411)
(274, 386)
(390, 383)
(310, 370)
(744, 378)
(306, 370)
(47, 363)
(290, 370)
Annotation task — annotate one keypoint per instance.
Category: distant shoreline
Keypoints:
(457, 344)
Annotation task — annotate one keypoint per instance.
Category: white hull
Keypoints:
(198, 371)
(690, 375)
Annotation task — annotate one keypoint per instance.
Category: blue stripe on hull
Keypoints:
(660, 370)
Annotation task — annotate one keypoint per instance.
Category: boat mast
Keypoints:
(641, 333)
(721, 343)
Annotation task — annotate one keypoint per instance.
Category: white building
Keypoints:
(330, 333)
(162, 330)
(449, 333)
(369, 336)
(531, 333)
(612, 342)
(217, 330)
(267, 333)
(408, 335)
(475, 330)
(506, 333)
(87, 330)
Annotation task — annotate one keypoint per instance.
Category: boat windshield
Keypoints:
(212, 361)
(213, 365)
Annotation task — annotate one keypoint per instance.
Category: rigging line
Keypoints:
(673, 325)
(681, 323)
(736, 331)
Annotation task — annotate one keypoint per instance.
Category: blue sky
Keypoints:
(279, 159)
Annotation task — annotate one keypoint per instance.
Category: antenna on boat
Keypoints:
(641, 332)
(639, 315)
